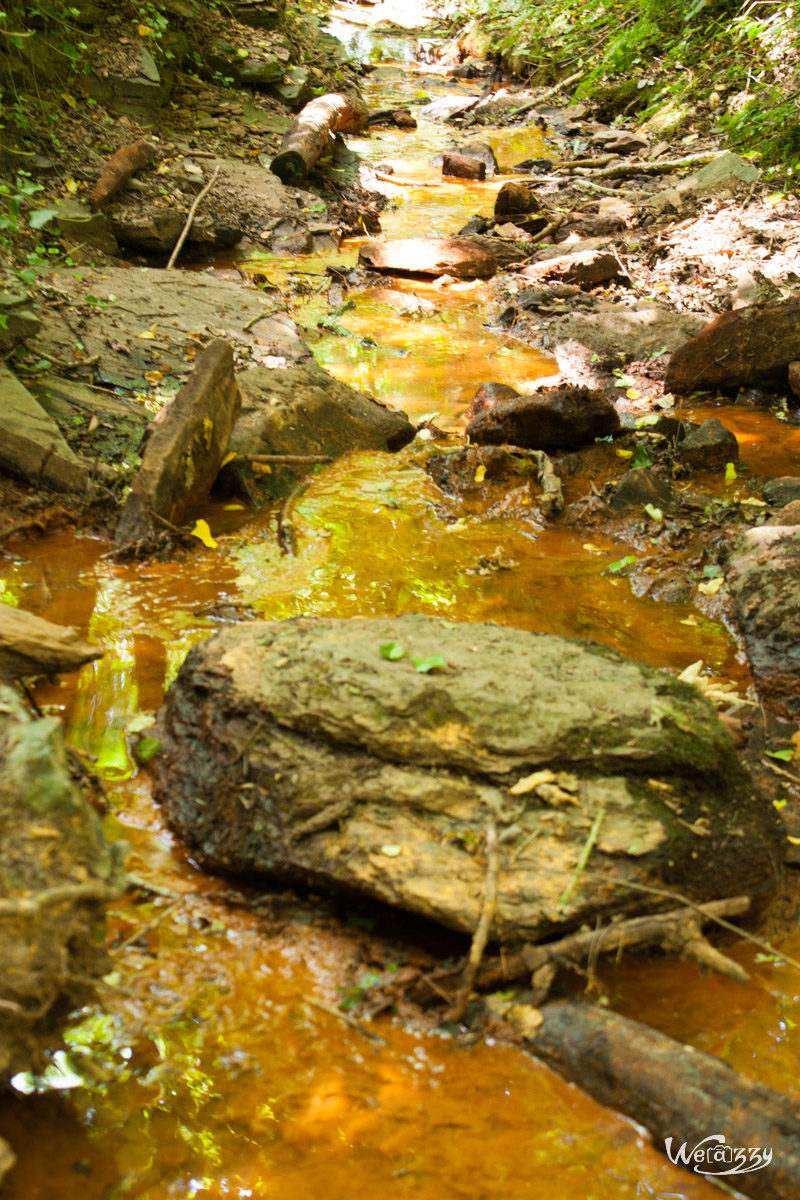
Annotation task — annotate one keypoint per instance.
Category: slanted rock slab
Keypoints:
(302, 410)
(369, 754)
(551, 419)
(429, 256)
(31, 444)
(748, 347)
(183, 456)
(29, 645)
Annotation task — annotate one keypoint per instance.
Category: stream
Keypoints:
(207, 1071)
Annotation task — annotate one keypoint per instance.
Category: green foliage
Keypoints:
(738, 56)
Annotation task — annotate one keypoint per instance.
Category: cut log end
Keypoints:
(289, 166)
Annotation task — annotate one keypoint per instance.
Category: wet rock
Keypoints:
(475, 225)
(473, 470)
(516, 198)
(462, 167)
(56, 873)
(639, 487)
(400, 117)
(749, 347)
(295, 89)
(763, 575)
(459, 257)
(781, 491)
(183, 455)
(551, 419)
(302, 751)
(586, 269)
(292, 242)
(31, 444)
(447, 107)
(489, 394)
(794, 377)
(626, 142)
(710, 446)
(302, 410)
(29, 645)
(484, 153)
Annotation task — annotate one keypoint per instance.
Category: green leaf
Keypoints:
(641, 458)
(730, 473)
(434, 663)
(622, 563)
(392, 651)
(40, 217)
(147, 748)
(712, 571)
(783, 755)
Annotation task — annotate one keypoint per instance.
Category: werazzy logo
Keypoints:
(713, 1156)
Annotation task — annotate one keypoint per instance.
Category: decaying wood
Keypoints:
(190, 217)
(656, 929)
(284, 458)
(558, 87)
(312, 132)
(29, 645)
(682, 1096)
(118, 170)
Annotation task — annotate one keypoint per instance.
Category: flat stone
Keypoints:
(447, 107)
(639, 487)
(29, 645)
(586, 269)
(460, 257)
(749, 347)
(551, 419)
(31, 444)
(370, 774)
(259, 71)
(183, 455)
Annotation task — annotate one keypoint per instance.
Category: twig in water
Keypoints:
(348, 1020)
(143, 930)
(190, 217)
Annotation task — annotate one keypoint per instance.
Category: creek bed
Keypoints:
(212, 1073)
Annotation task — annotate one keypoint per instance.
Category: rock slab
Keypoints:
(183, 456)
(31, 444)
(369, 754)
(748, 347)
(429, 256)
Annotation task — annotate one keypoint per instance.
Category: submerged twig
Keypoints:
(347, 1019)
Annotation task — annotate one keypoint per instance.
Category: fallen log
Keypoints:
(429, 256)
(698, 1110)
(29, 645)
(118, 170)
(312, 133)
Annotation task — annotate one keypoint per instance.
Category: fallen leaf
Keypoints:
(202, 531)
(710, 587)
(480, 473)
(531, 782)
(391, 851)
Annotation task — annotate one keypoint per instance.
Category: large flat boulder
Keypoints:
(369, 754)
(763, 574)
(302, 411)
(748, 347)
(459, 257)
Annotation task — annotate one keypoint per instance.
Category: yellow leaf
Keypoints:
(531, 782)
(70, 100)
(71, 185)
(208, 431)
(624, 453)
(710, 587)
(203, 532)
(261, 469)
(391, 851)
(147, 334)
(233, 507)
(795, 841)
(590, 548)
(144, 31)
(154, 376)
(480, 473)
(633, 394)
(229, 457)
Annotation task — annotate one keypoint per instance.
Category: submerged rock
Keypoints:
(369, 754)
(551, 419)
(709, 446)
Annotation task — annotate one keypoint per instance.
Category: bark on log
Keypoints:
(118, 170)
(681, 1095)
(461, 166)
(29, 645)
(312, 132)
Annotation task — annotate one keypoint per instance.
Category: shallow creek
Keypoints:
(211, 1073)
